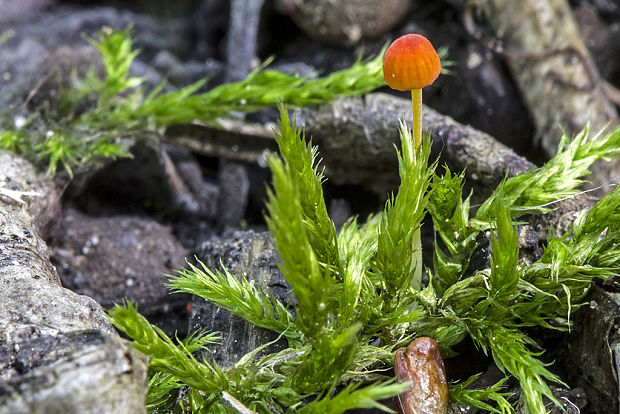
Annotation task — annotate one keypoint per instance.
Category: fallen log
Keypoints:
(58, 352)
(356, 138)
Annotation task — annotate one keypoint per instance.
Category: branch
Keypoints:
(552, 67)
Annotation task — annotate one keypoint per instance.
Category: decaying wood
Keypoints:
(253, 255)
(58, 353)
(595, 343)
(552, 68)
(356, 138)
(232, 140)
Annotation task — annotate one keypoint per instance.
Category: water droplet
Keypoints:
(262, 160)
(19, 121)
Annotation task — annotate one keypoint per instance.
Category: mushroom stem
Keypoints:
(416, 281)
(416, 104)
(416, 127)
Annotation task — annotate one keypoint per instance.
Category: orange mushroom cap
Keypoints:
(410, 62)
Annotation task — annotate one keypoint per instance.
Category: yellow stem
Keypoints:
(416, 105)
(416, 126)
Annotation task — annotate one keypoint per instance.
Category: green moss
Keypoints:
(100, 116)
(355, 301)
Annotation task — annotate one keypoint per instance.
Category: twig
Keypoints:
(495, 45)
(236, 404)
(16, 195)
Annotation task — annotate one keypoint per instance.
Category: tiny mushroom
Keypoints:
(410, 64)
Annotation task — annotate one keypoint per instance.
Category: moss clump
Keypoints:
(353, 288)
(101, 116)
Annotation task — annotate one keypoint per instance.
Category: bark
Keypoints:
(253, 255)
(553, 69)
(59, 353)
(345, 23)
(234, 191)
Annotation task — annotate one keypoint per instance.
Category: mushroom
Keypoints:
(409, 64)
